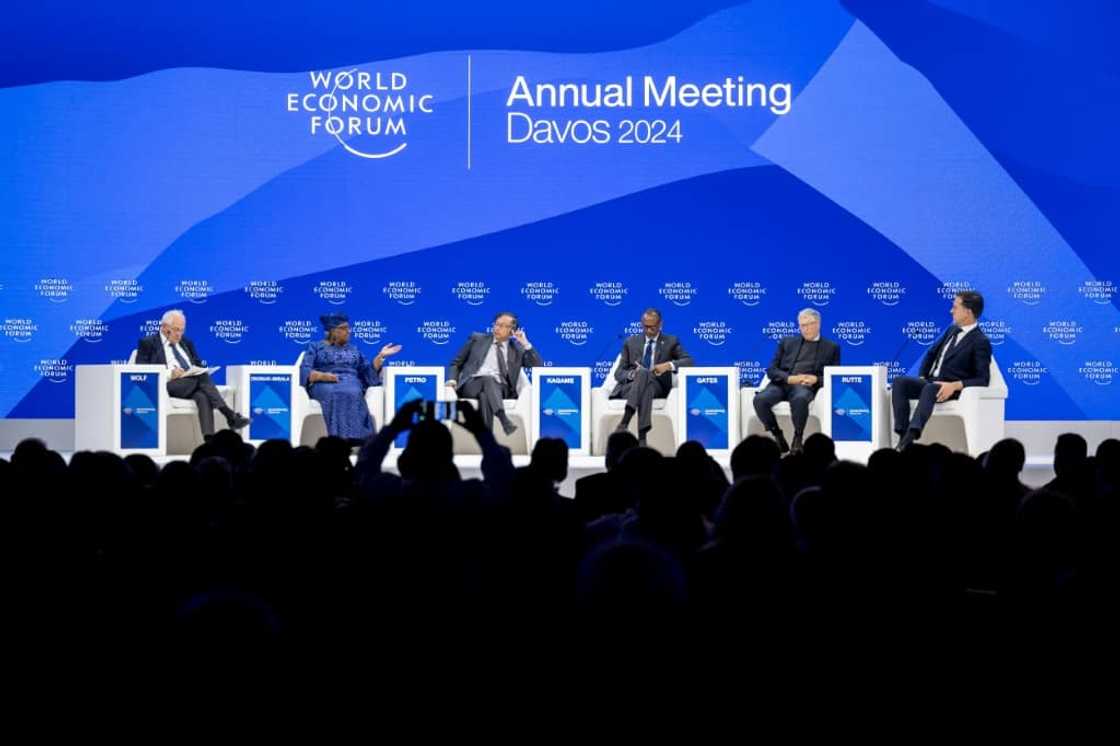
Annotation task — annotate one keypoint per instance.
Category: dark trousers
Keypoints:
(489, 394)
(639, 395)
(906, 388)
(798, 396)
(202, 391)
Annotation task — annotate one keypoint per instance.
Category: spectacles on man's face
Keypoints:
(503, 324)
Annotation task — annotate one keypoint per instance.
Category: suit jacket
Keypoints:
(668, 349)
(149, 351)
(969, 362)
(781, 367)
(472, 355)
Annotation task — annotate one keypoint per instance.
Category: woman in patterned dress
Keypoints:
(336, 374)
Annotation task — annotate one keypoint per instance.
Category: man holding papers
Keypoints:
(189, 380)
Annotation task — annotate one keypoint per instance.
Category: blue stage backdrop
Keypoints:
(421, 166)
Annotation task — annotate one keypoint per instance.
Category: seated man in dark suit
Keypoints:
(488, 366)
(645, 371)
(961, 358)
(172, 349)
(796, 374)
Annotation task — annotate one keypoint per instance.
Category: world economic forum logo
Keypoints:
(1100, 372)
(575, 333)
(1027, 292)
(368, 331)
(609, 293)
(775, 330)
(230, 331)
(1100, 292)
(402, 292)
(437, 332)
(679, 293)
(924, 333)
(750, 372)
(473, 292)
(818, 293)
(748, 293)
(54, 289)
(366, 111)
(54, 370)
(20, 329)
(542, 293)
(297, 330)
(997, 330)
(1064, 332)
(334, 292)
(194, 291)
(124, 290)
(854, 333)
(887, 292)
(715, 333)
(89, 330)
(1027, 372)
(265, 292)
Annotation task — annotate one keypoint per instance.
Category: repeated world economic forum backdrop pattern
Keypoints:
(422, 167)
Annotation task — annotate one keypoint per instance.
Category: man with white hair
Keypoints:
(172, 349)
(796, 374)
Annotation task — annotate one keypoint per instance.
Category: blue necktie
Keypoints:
(179, 358)
(648, 357)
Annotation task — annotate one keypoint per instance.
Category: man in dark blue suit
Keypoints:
(796, 374)
(645, 371)
(961, 358)
(172, 349)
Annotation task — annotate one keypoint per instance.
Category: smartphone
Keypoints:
(449, 411)
(438, 410)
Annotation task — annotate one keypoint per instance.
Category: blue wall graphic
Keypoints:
(925, 146)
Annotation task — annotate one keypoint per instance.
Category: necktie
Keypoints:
(503, 367)
(179, 358)
(647, 358)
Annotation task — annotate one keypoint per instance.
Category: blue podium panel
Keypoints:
(139, 415)
(852, 404)
(270, 406)
(707, 417)
(855, 409)
(708, 407)
(404, 385)
(562, 406)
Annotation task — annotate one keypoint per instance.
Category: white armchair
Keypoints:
(518, 410)
(974, 422)
(308, 424)
(184, 434)
(753, 426)
(606, 413)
